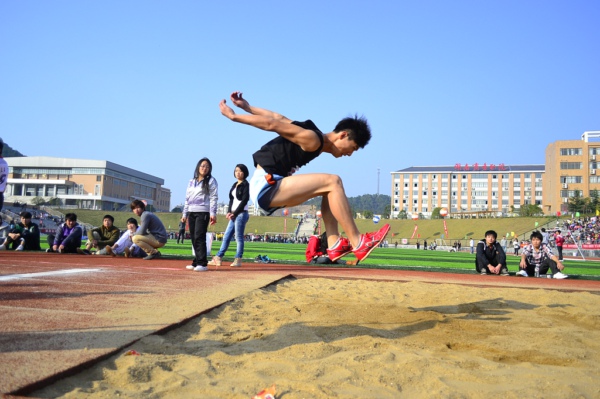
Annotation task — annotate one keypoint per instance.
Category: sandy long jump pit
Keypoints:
(322, 338)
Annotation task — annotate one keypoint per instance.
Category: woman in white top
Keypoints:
(200, 211)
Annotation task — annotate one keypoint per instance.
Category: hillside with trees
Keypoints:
(8, 151)
(367, 205)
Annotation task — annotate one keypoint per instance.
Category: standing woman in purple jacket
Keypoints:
(200, 210)
(237, 214)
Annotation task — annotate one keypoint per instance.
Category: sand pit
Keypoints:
(321, 338)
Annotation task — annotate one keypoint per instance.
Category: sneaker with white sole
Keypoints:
(559, 275)
(216, 261)
(2, 247)
(521, 273)
(368, 242)
(201, 268)
(483, 271)
(504, 272)
(190, 267)
(20, 248)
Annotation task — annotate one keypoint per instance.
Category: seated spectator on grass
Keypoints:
(24, 235)
(151, 234)
(68, 236)
(537, 258)
(124, 244)
(490, 258)
(103, 236)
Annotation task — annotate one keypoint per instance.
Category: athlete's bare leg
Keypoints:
(295, 190)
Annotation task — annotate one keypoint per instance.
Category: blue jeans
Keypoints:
(238, 225)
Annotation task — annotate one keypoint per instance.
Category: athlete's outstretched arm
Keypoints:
(239, 101)
(306, 139)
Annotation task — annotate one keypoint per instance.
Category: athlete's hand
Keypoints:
(226, 110)
(239, 101)
(213, 219)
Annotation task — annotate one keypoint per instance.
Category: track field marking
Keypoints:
(46, 274)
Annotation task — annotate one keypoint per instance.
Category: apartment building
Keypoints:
(572, 168)
(466, 188)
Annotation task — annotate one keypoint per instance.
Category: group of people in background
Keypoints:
(537, 258)
(141, 241)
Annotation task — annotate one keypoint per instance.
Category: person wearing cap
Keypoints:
(26, 235)
(105, 235)
(3, 175)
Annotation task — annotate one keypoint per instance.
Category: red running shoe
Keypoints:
(369, 241)
(341, 248)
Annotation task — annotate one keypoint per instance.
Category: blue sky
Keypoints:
(442, 82)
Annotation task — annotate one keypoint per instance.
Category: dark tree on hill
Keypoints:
(9, 152)
(377, 204)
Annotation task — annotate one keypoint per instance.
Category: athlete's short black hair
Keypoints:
(358, 129)
(112, 219)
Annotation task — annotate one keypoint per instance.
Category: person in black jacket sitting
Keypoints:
(491, 258)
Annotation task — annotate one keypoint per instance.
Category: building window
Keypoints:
(571, 151)
(573, 179)
(571, 165)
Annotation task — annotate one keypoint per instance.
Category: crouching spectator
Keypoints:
(124, 244)
(24, 235)
(491, 258)
(105, 235)
(151, 234)
(68, 236)
(537, 259)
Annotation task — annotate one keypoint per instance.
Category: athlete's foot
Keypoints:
(342, 247)
(369, 241)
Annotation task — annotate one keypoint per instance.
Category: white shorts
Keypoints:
(261, 190)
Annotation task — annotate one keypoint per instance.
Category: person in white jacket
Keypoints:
(200, 210)
(124, 244)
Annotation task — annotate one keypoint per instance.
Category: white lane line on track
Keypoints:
(46, 274)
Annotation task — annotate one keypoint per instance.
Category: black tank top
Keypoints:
(282, 157)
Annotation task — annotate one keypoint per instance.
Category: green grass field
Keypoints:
(383, 258)
(458, 229)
